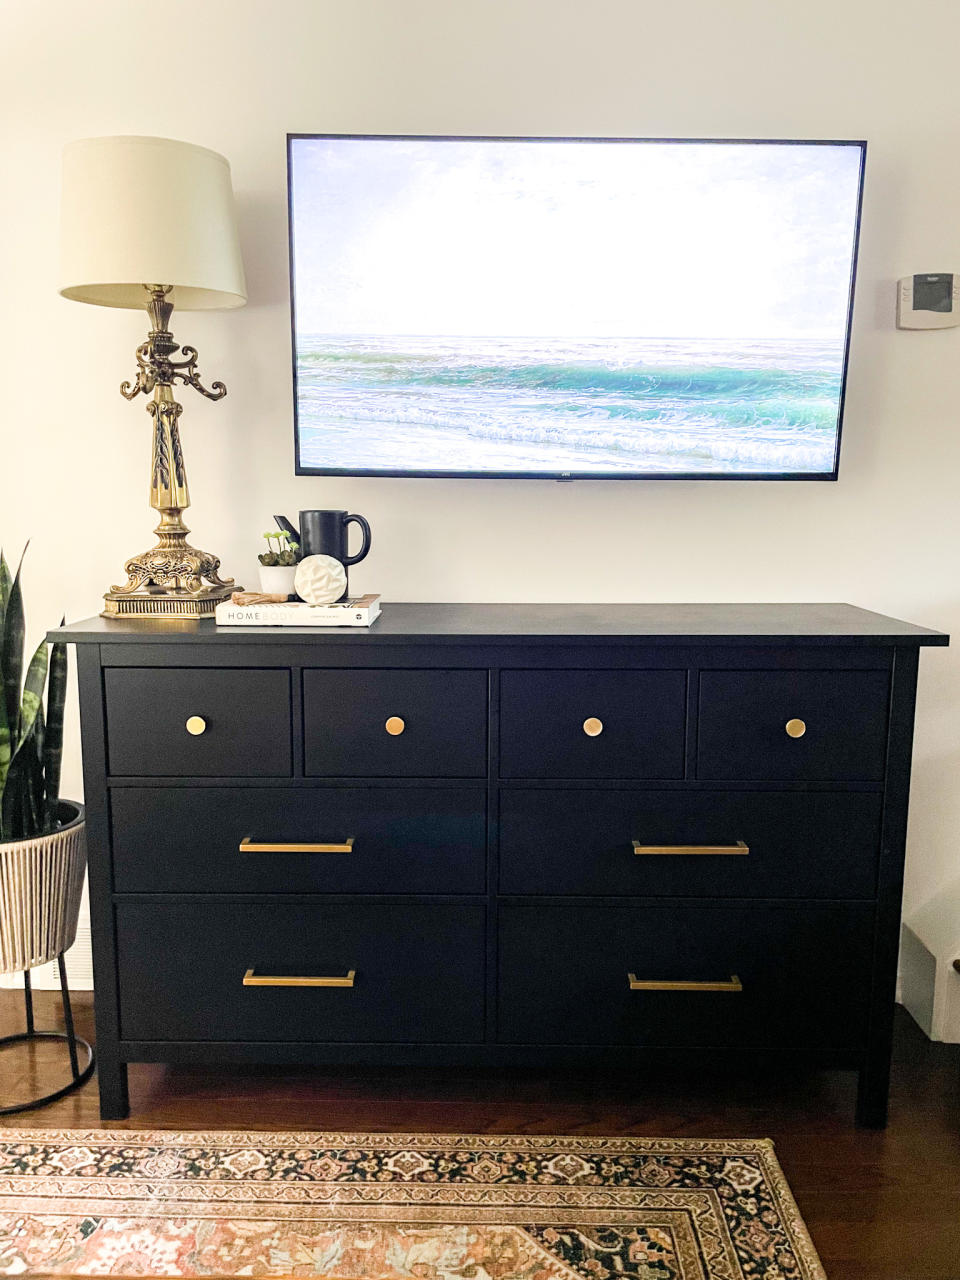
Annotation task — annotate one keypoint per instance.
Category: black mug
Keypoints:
(324, 533)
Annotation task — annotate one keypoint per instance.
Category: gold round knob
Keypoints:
(196, 725)
(795, 728)
(394, 726)
(592, 727)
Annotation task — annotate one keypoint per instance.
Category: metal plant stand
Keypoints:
(41, 883)
(73, 1042)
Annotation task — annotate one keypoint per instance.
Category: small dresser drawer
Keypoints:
(764, 976)
(592, 724)
(326, 972)
(741, 844)
(299, 840)
(198, 722)
(379, 723)
(809, 726)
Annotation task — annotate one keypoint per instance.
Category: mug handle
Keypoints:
(366, 539)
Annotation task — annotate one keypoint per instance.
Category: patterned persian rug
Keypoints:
(396, 1207)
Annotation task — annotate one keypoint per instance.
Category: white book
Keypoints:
(355, 611)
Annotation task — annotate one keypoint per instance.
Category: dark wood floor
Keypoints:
(880, 1206)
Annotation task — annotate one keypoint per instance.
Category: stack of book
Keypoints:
(355, 611)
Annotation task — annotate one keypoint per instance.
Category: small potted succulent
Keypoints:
(278, 564)
(42, 845)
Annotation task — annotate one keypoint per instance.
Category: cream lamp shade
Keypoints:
(149, 211)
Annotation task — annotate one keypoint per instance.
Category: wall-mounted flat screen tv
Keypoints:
(571, 308)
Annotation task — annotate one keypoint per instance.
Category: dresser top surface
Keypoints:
(804, 624)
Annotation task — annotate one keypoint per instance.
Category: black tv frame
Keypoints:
(568, 476)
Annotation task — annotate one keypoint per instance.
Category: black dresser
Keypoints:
(500, 834)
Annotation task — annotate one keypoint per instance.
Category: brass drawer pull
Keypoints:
(717, 850)
(636, 984)
(395, 726)
(795, 728)
(196, 725)
(251, 979)
(592, 727)
(255, 846)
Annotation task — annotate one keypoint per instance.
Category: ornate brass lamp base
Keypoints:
(168, 581)
(172, 579)
(157, 603)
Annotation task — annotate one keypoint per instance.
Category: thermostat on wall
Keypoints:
(929, 301)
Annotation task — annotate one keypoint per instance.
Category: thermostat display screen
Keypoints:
(933, 293)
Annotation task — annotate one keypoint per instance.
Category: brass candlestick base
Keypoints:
(172, 579)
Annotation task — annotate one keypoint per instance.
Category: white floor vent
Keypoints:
(929, 970)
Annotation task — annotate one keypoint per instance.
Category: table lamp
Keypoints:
(150, 222)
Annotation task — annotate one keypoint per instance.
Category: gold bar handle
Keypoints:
(637, 984)
(717, 850)
(255, 846)
(251, 979)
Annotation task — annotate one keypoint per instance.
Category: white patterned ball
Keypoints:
(320, 579)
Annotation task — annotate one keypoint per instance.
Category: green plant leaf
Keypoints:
(25, 772)
(6, 754)
(33, 685)
(11, 804)
(33, 777)
(53, 734)
(32, 700)
(22, 814)
(6, 582)
(11, 653)
(30, 749)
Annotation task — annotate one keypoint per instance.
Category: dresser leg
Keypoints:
(873, 1090)
(112, 1077)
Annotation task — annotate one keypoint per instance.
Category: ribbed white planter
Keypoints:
(41, 883)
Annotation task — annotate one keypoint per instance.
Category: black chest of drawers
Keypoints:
(500, 834)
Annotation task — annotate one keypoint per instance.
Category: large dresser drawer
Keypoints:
(764, 976)
(416, 972)
(191, 722)
(351, 839)
(743, 844)
(395, 723)
(592, 724)
(798, 726)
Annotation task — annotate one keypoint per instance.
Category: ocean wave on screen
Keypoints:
(776, 454)
(698, 404)
(787, 414)
(701, 439)
(693, 381)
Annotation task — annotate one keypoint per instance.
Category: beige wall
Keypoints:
(236, 75)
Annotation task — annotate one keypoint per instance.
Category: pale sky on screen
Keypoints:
(573, 239)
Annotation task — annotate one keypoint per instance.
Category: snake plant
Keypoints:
(31, 741)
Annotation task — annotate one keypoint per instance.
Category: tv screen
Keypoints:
(555, 307)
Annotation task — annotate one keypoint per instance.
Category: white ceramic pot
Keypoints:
(41, 883)
(277, 579)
